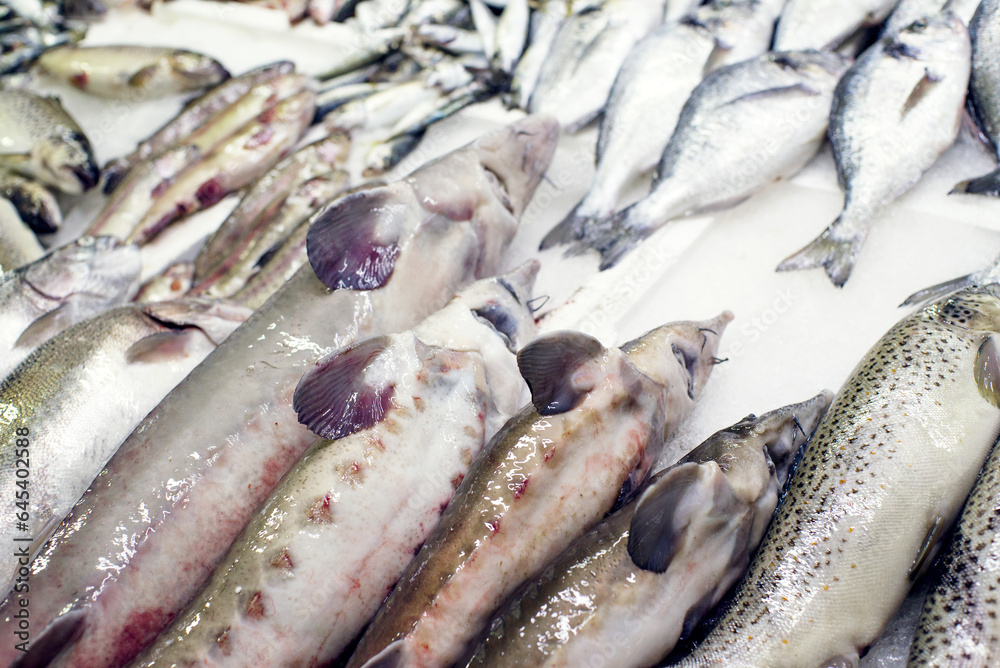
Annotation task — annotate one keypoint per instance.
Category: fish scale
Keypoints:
(886, 474)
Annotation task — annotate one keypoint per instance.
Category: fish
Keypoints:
(744, 126)
(576, 79)
(18, 244)
(826, 24)
(379, 262)
(895, 112)
(984, 91)
(135, 354)
(192, 116)
(437, 394)
(449, 38)
(368, 47)
(41, 141)
(511, 36)
(35, 205)
(172, 283)
(655, 81)
(908, 11)
(877, 489)
(985, 276)
(277, 266)
(131, 72)
(596, 422)
(239, 160)
(643, 577)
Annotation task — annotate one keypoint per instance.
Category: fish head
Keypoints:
(686, 347)
(297, 109)
(938, 37)
(216, 319)
(68, 162)
(197, 69)
(976, 308)
(99, 267)
(503, 303)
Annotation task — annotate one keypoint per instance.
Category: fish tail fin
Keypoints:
(616, 237)
(984, 185)
(832, 250)
(571, 229)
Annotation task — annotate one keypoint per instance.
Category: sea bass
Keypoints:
(878, 487)
(896, 110)
(134, 354)
(597, 422)
(214, 449)
(355, 509)
(825, 24)
(627, 589)
(984, 89)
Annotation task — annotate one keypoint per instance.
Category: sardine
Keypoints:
(626, 591)
(278, 266)
(878, 487)
(511, 36)
(908, 11)
(66, 286)
(367, 48)
(357, 506)
(40, 140)
(894, 113)
(80, 393)
(744, 126)
(18, 244)
(596, 423)
(984, 90)
(172, 283)
(546, 21)
(35, 205)
(825, 24)
(132, 72)
(217, 445)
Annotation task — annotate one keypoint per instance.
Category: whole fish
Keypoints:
(40, 140)
(908, 11)
(356, 507)
(825, 24)
(744, 126)
(35, 205)
(67, 285)
(655, 81)
(546, 21)
(511, 36)
(131, 72)
(135, 354)
(216, 446)
(878, 487)
(236, 162)
(192, 116)
(896, 110)
(278, 266)
(18, 244)
(984, 90)
(172, 283)
(597, 422)
(576, 79)
(627, 589)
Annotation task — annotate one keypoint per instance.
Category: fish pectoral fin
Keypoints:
(927, 549)
(919, 92)
(780, 91)
(353, 243)
(54, 638)
(46, 326)
(689, 502)
(987, 370)
(161, 347)
(144, 76)
(551, 366)
(335, 398)
(939, 290)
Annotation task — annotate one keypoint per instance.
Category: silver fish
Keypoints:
(280, 266)
(362, 500)
(984, 89)
(67, 285)
(626, 590)
(40, 140)
(878, 487)
(18, 244)
(511, 36)
(135, 354)
(217, 445)
(368, 47)
(35, 205)
(908, 11)
(172, 283)
(596, 423)
(743, 127)
(546, 21)
(894, 113)
(825, 24)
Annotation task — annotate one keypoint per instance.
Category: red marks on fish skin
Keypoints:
(549, 454)
(269, 114)
(80, 80)
(321, 513)
(283, 561)
(353, 475)
(222, 640)
(520, 488)
(494, 525)
(259, 606)
(259, 139)
(456, 481)
(140, 630)
(160, 188)
(419, 403)
(211, 192)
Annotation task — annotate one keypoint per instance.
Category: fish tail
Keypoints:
(616, 237)
(984, 185)
(832, 250)
(571, 229)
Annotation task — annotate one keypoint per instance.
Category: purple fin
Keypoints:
(353, 243)
(548, 364)
(333, 398)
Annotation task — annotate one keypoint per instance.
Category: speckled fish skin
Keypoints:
(878, 486)
(74, 428)
(18, 244)
(894, 113)
(131, 72)
(580, 69)
(35, 205)
(542, 481)
(744, 126)
(354, 510)
(908, 11)
(60, 289)
(825, 24)
(194, 114)
(230, 426)
(40, 140)
(594, 602)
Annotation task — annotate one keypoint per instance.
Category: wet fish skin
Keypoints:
(595, 601)
(825, 24)
(42, 141)
(35, 205)
(322, 568)
(60, 289)
(136, 354)
(180, 533)
(18, 244)
(908, 11)
(171, 284)
(546, 20)
(596, 423)
(877, 488)
(895, 112)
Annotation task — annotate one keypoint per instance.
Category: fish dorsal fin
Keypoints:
(549, 365)
(919, 92)
(987, 370)
(335, 399)
(46, 326)
(353, 243)
(663, 516)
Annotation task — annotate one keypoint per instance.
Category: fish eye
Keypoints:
(501, 321)
(919, 26)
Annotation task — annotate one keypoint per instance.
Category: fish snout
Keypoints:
(518, 156)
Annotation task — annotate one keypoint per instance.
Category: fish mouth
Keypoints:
(87, 175)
